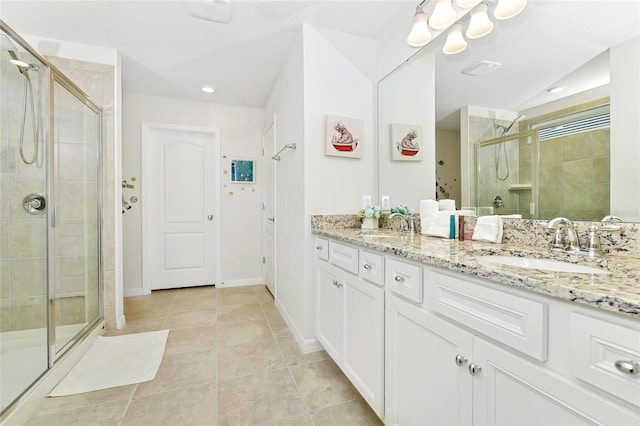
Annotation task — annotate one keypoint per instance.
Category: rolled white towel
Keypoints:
(428, 207)
(489, 229)
(435, 226)
(447, 204)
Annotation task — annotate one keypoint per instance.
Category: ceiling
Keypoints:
(167, 52)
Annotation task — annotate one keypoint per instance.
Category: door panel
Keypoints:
(181, 205)
(269, 217)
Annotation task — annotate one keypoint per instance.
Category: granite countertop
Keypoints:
(618, 291)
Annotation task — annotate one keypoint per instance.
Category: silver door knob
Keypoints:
(628, 367)
(210, 217)
(461, 360)
(366, 266)
(474, 369)
(318, 247)
(398, 279)
(271, 219)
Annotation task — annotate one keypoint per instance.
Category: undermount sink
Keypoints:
(542, 264)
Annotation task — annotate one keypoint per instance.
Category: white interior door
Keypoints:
(180, 208)
(269, 216)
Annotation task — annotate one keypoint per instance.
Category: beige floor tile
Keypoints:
(192, 406)
(259, 398)
(70, 402)
(190, 319)
(191, 340)
(156, 303)
(322, 384)
(293, 355)
(107, 414)
(248, 358)
(270, 310)
(299, 420)
(278, 326)
(248, 311)
(181, 371)
(196, 302)
(353, 413)
(236, 332)
(238, 298)
(203, 291)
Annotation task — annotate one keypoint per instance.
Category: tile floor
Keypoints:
(230, 360)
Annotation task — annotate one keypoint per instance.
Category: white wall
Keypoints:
(328, 73)
(241, 213)
(625, 130)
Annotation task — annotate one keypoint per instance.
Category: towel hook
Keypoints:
(289, 145)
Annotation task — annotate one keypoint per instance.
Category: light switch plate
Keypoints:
(366, 201)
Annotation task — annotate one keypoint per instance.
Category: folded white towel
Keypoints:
(447, 204)
(489, 229)
(435, 226)
(428, 207)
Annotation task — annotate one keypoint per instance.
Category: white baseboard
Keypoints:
(133, 292)
(240, 283)
(305, 345)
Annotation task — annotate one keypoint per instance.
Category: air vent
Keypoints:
(481, 68)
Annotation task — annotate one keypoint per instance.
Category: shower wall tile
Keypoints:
(109, 284)
(28, 313)
(578, 172)
(4, 198)
(5, 278)
(70, 310)
(28, 277)
(577, 146)
(551, 151)
(5, 239)
(108, 246)
(601, 170)
(28, 238)
(76, 200)
(601, 143)
(76, 162)
(551, 175)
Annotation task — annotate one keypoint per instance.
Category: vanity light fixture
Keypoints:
(443, 15)
(455, 41)
(420, 34)
(208, 89)
(480, 25)
(508, 8)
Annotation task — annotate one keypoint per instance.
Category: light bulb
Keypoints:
(467, 4)
(420, 34)
(443, 15)
(480, 25)
(455, 41)
(508, 8)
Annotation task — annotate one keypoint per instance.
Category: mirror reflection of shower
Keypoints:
(498, 148)
(25, 68)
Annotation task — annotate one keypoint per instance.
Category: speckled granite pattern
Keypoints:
(617, 292)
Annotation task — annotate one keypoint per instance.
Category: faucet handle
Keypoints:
(593, 243)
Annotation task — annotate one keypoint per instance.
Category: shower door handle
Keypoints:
(53, 216)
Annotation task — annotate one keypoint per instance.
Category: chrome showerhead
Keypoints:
(505, 129)
(7, 44)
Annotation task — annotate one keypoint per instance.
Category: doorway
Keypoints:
(268, 209)
(180, 205)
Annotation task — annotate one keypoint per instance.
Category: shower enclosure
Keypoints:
(555, 165)
(50, 192)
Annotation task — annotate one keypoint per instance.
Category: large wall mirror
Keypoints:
(504, 141)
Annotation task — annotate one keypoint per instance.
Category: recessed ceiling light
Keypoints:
(208, 89)
(557, 89)
(481, 68)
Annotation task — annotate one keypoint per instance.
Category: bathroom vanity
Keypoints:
(430, 334)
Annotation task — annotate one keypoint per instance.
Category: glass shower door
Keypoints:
(24, 346)
(75, 191)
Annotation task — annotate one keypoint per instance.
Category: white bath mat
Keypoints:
(115, 361)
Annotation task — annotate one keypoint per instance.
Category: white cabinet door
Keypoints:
(423, 383)
(329, 312)
(510, 390)
(363, 339)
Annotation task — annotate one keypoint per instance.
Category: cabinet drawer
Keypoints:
(404, 278)
(321, 247)
(372, 267)
(596, 346)
(510, 319)
(344, 257)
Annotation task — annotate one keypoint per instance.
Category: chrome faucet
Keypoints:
(566, 236)
(407, 224)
